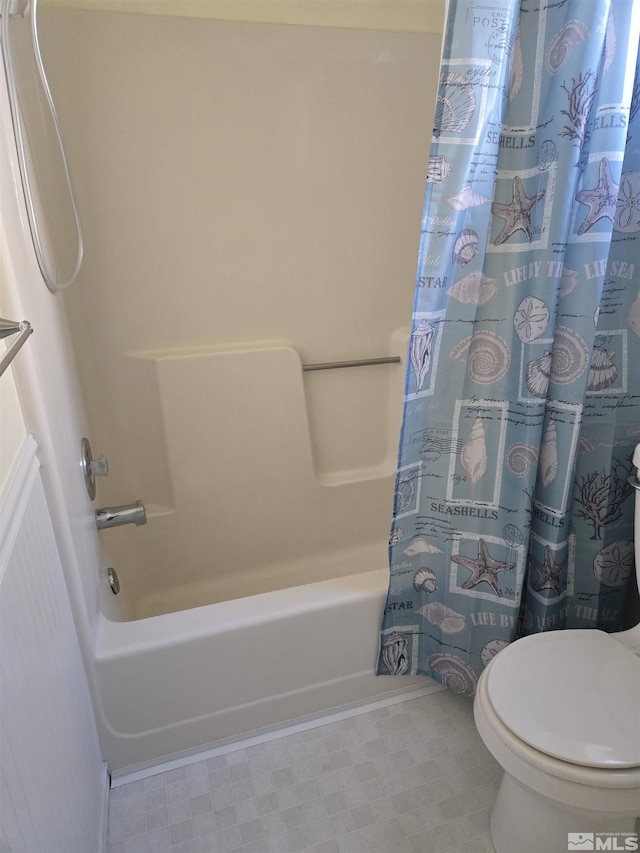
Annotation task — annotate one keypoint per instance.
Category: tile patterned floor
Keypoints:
(413, 777)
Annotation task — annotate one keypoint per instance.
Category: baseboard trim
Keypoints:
(143, 771)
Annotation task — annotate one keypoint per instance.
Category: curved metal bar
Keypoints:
(22, 8)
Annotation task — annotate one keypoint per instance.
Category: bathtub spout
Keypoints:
(114, 516)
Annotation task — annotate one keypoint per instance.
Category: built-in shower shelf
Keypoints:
(357, 475)
(422, 16)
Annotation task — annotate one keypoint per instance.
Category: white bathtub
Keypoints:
(253, 597)
(183, 682)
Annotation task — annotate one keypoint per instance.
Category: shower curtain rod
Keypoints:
(8, 328)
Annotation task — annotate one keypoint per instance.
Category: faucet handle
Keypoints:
(99, 467)
(91, 468)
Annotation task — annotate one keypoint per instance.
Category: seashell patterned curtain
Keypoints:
(512, 510)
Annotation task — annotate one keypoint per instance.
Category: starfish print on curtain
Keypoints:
(601, 200)
(517, 215)
(484, 568)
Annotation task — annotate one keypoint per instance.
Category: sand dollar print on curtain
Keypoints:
(512, 511)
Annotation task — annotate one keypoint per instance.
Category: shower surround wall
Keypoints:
(250, 197)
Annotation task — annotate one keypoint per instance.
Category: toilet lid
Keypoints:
(574, 695)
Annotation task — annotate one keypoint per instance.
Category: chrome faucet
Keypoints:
(114, 516)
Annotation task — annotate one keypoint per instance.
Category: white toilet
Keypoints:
(560, 712)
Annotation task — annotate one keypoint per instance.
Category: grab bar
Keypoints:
(8, 328)
(362, 362)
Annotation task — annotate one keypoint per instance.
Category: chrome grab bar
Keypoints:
(361, 362)
(8, 328)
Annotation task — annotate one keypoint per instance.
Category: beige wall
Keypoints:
(243, 187)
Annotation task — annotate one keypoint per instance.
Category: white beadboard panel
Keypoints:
(12, 428)
(52, 777)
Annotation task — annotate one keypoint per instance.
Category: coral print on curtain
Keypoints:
(512, 510)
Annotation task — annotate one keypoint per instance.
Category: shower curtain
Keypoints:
(512, 511)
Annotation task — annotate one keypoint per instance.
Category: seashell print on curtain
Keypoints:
(522, 403)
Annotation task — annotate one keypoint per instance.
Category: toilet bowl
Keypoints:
(560, 712)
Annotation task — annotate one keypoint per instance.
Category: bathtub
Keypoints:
(253, 596)
(176, 684)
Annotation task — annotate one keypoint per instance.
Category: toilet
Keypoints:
(560, 712)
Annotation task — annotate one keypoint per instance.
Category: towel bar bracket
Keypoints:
(7, 328)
